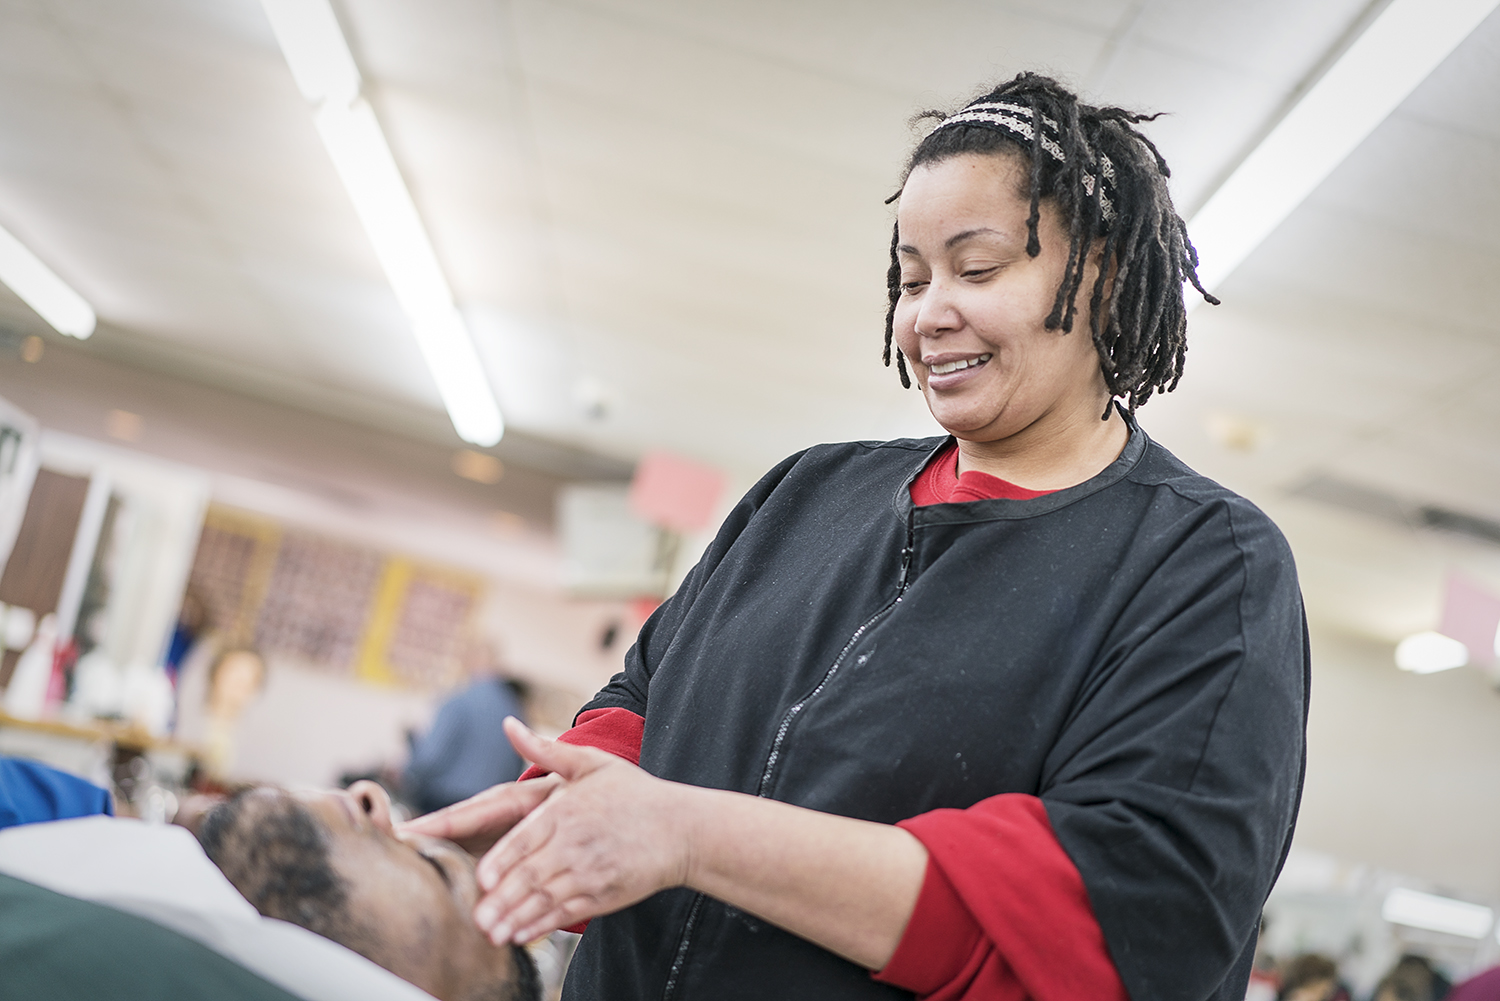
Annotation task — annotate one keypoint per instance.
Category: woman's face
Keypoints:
(970, 318)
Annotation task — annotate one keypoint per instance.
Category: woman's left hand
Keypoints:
(608, 836)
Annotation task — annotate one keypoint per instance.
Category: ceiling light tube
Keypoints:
(326, 74)
(1397, 52)
(40, 288)
(1429, 653)
(1434, 913)
(369, 172)
(315, 50)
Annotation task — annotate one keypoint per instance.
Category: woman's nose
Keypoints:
(936, 315)
(374, 801)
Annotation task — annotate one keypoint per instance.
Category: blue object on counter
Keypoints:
(32, 792)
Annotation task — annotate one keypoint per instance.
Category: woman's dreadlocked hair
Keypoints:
(1109, 183)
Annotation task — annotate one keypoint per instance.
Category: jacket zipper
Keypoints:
(680, 957)
(791, 714)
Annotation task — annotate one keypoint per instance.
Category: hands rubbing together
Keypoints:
(596, 835)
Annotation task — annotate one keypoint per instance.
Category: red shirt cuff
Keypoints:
(941, 938)
(1007, 875)
(618, 731)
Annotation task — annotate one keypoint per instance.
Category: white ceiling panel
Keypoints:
(935, 51)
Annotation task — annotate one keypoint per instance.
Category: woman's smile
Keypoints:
(938, 369)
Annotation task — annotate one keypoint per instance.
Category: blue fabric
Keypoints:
(465, 751)
(31, 792)
(181, 643)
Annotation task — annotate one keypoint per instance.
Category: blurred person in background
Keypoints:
(1311, 977)
(465, 751)
(1015, 712)
(1413, 978)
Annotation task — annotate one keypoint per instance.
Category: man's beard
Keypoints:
(528, 984)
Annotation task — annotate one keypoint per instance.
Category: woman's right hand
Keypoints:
(479, 821)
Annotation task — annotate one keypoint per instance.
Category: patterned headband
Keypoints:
(1017, 120)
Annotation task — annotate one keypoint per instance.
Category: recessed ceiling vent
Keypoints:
(1399, 510)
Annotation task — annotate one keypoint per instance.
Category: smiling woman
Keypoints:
(1014, 713)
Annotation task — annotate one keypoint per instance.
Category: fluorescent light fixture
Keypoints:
(315, 50)
(325, 72)
(1434, 913)
(1428, 653)
(41, 289)
(1404, 44)
(384, 206)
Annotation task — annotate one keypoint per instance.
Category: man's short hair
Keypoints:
(276, 854)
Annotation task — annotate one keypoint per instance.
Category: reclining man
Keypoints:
(329, 862)
(332, 863)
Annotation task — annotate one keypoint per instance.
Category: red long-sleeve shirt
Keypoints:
(1003, 914)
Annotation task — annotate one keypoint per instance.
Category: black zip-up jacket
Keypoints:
(1132, 650)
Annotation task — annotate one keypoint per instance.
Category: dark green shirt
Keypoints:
(60, 948)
